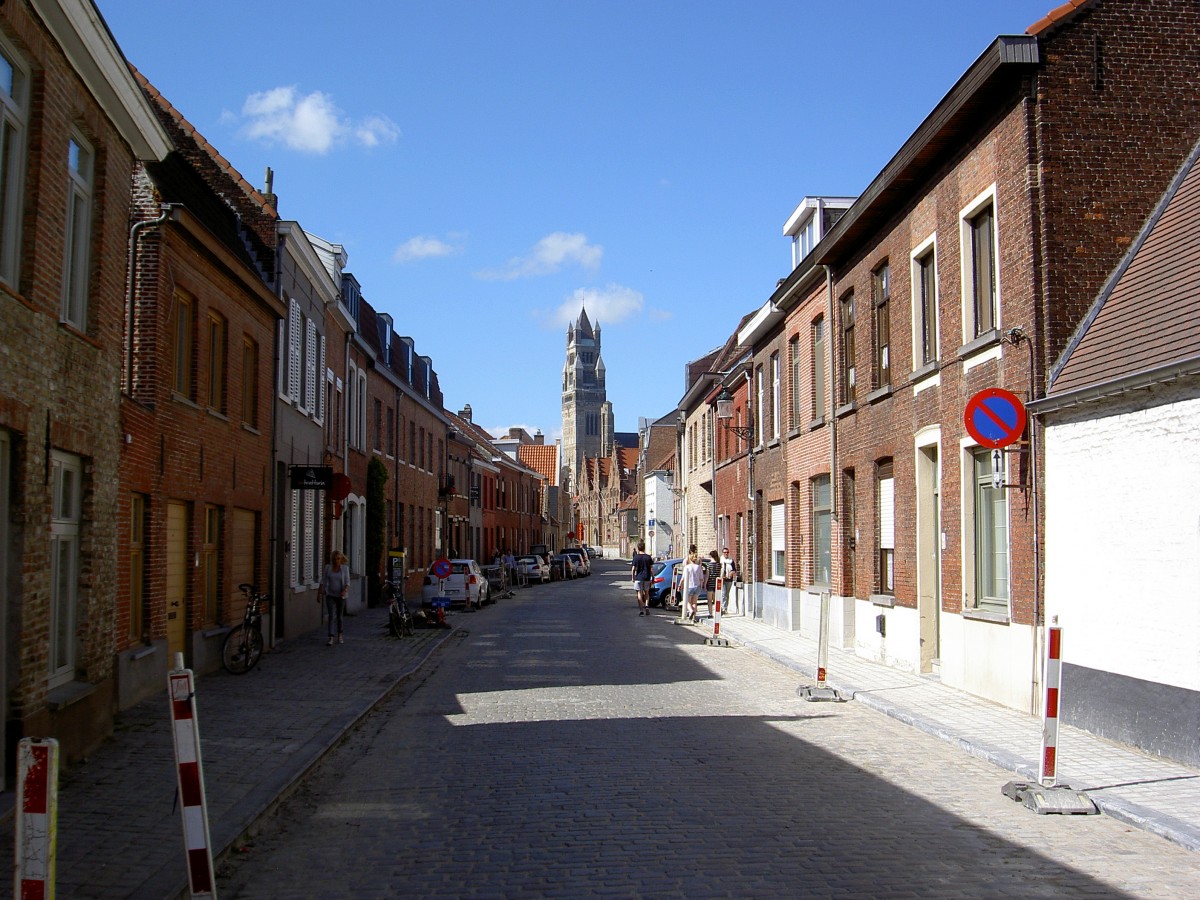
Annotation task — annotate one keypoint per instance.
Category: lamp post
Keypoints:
(746, 433)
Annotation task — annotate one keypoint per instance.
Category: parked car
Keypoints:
(582, 566)
(535, 568)
(465, 585)
(590, 551)
(561, 567)
(664, 573)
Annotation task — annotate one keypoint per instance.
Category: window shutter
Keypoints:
(310, 366)
(321, 382)
(295, 544)
(887, 514)
(294, 353)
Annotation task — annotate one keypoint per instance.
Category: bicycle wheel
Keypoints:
(242, 650)
(396, 622)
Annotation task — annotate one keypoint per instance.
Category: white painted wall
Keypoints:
(660, 506)
(1123, 541)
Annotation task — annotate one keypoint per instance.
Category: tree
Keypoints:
(377, 476)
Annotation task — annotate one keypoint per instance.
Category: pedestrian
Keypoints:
(729, 574)
(642, 572)
(510, 566)
(693, 584)
(712, 571)
(335, 588)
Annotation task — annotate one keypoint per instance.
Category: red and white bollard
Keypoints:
(1049, 769)
(1047, 796)
(821, 690)
(190, 774)
(37, 818)
(715, 600)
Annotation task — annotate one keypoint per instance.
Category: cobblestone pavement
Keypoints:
(567, 747)
(119, 831)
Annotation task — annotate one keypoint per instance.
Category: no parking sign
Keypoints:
(995, 418)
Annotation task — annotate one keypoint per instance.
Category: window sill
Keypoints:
(818, 422)
(987, 615)
(250, 429)
(930, 368)
(217, 414)
(82, 335)
(186, 401)
(878, 394)
(883, 600)
(846, 410)
(984, 341)
(59, 698)
(793, 434)
(774, 442)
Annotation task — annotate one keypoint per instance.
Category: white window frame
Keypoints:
(66, 526)
(886, 491)
(778, 523)
(975, 538)
(821, 516)
(81, 175)
(966, 263)
(927, 248)
(775, 395)
(14, 114)
(760, 403)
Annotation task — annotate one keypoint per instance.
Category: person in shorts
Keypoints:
(642, 571)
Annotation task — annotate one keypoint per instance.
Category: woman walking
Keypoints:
(335, 587)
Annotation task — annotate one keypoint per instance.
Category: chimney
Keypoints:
(465, 413)
(539, 438)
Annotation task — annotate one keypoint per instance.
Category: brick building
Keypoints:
(197, 414)
(74, 124)
(966, 264)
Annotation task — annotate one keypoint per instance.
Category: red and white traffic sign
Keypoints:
(995, 418)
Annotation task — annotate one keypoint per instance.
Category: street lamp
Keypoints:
(746, 433)
(725, 416)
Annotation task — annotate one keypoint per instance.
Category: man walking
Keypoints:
(642, 570)
(728, 577)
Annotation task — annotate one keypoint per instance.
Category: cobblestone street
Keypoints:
(567, 747)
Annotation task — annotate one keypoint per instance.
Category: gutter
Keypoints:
(1143, 380)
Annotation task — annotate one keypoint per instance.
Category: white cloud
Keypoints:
(549, 255)
(310, 123)
(605, 306)
(422, 247)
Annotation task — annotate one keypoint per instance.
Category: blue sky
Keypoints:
(489, 166)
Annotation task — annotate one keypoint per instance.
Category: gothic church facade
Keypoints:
(587, 416)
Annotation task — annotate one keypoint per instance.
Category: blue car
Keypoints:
(664, 574)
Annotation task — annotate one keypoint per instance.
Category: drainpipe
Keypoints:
(131, 293)
(833, 479)
(750, 495)
(275, 495)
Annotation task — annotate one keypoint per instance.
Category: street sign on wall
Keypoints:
(995, 418)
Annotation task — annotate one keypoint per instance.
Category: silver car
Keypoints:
(533, 568)
(464, 586)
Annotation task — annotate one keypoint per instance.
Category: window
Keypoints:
(847, 370)
(14, 110)
(794, 359)
(778, 542)
(818, 368)
(885, 498)
(822, 530)
(881, 370)
(210, 561)
(378, 404)
(76, 251)
(249, 382)
(183, 345)
(309, 392)
(137, 565)
(981, 229)
(216, 362)
(991, 536)
(391, 431)
(774, 395)
(65, 526)
(926, 303)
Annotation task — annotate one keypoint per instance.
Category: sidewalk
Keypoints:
(1144, 791)
(119, 831)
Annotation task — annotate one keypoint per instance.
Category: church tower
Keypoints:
(587, 420)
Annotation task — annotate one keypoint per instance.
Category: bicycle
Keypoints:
(243, 645)
(400, 619)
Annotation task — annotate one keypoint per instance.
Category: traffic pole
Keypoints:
(1048, 776)
(822, 691)
(37, 818)
(715, 600)
(1048, 796)
(190, 780)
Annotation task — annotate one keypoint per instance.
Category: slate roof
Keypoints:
(1148, 316)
